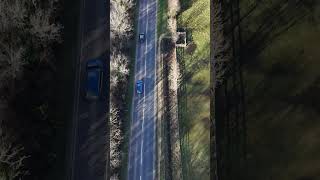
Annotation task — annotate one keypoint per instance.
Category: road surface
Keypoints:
(89, 126)
(142, 147)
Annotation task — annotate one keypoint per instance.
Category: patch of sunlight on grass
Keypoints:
(197, 17)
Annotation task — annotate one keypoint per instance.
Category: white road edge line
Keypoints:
(154, 96)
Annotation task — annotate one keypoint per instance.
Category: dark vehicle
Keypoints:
(139, 86)
(94, 79)
(141, 37)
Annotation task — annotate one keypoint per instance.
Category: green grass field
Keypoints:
(195, 98)
(283, 102)
(162, 17)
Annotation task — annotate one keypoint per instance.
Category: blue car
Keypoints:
(141, 37)
(94, 79)
(139, 86)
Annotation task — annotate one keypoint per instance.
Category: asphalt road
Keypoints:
(142, 148)
(89, 126)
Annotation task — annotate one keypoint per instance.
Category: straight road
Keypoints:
(142, 148)
(89, 126)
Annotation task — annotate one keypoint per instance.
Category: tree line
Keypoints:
(122, 39)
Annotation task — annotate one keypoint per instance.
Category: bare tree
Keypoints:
(120, 19)
(11, 64)
(11, 158)
(17, 22)
(11, 61)
(116, 140)
(119, 69)
(121, 26)
(114, 80)
(114, 177)
(27, 31)
(43, 29)
(12, 14)
(119, 63)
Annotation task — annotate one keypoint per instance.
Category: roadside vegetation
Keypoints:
(163, 157)
(168, 74)
(162, 17)
(29, 33)
(282, 83)
(194, 94)
(122, 18)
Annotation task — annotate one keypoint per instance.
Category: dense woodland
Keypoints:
(28, 33)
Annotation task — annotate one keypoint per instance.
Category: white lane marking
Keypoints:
(135, 162)
(144, 94)
(133, 100)
(143, 112)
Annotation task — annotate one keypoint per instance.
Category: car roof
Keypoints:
(94, 63)
(93, 82)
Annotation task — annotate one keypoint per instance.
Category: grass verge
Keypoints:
(162, 17)
(194, 98)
